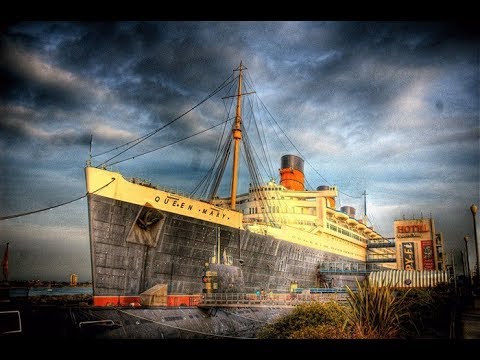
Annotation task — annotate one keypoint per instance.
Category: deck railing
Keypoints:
(270, 299)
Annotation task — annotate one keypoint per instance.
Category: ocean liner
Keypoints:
(275, 235)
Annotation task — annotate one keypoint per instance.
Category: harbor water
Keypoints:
(50, 291)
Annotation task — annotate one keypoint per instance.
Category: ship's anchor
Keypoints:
(147, 219)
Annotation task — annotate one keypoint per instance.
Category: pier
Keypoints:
(236, 300)
(348, 268)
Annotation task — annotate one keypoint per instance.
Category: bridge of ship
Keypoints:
(373, 263)
(376, 258)
(347, 268)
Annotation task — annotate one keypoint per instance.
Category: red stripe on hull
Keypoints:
(183, 300)
(135, 301)
(131, 301)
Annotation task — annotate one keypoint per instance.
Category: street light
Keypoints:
(474, 209)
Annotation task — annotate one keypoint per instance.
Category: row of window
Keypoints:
(285, 221)
(266, 188)
(345, 232)
(271, 209)
(276, 209)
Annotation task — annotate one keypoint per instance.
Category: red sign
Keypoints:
(413, 228)
(427, 255)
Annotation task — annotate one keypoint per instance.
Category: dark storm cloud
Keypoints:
(147, 71)
(404, 43)
(34, 81)
(366, 65)
(91, 52)
(187, 54)
(191, 54)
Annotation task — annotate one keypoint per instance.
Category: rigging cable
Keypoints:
(268, 160)
(355, 197)
(145, 137)
(127, 143)
(205, 182)
(272, 127)
(269, 172)
(245, 142)
(217, 169)
(54, 206)
(257, 186)
(220, 168)
(373, 221)
(252, 150)
(172, 143)
(264, 147)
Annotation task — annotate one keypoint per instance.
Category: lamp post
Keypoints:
(468, 262)
(474, 209)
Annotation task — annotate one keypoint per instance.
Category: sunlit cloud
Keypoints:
(33, 67)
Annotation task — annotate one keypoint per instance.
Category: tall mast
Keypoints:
(237, 136)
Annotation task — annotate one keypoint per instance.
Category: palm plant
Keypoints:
(375, 311)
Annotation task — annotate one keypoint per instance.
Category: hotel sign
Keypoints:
(412, 228)
(419, 229)
(408, 255)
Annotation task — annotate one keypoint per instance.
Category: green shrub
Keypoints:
(305, 317)
(322, 331)
(372, 312)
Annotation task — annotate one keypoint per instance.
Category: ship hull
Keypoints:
(134, 247)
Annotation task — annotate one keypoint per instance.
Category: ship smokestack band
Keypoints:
(291, 173)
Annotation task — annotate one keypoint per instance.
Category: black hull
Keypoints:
(129, 257)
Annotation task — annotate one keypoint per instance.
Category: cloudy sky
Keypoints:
(387, 107)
